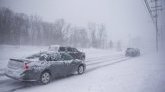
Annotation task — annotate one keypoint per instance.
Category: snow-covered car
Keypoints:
(70, 50)
(44, 67)
(132, 52)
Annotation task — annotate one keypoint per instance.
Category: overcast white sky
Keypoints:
(123, 18)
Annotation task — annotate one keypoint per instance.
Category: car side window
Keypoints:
(65, 56)
(69, 49)
(55, 57)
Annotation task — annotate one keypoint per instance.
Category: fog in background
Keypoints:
(126, 21)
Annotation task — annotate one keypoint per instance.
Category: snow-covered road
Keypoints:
(106, 71)
(10, 85)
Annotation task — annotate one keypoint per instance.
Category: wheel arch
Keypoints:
(46, 70)
(82, 65)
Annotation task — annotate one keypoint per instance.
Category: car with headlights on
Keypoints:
(44, 67)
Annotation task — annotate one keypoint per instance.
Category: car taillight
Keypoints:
(26, 67)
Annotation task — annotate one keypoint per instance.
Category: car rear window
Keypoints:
(62, 49)
(70, 49)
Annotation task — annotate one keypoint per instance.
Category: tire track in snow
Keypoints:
(9, 85)
(105, 60)
(102, 57)
(105, 63)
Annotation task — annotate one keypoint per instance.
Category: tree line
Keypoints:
(21, 29)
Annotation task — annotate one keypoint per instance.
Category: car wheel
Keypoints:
(45, 77)
(81, 69)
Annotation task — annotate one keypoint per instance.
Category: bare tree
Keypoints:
(102, 36)
(111, 44)
(119, 47)
(19, 29)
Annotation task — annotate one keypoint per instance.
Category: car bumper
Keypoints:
(21, 76)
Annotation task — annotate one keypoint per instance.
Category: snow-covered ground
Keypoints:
(107, 71)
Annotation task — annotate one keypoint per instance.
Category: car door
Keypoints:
(57, 66)
(67, 59)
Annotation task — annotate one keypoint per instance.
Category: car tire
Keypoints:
(81, 69)
(45, 77)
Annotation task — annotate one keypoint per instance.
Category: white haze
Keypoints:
(124, 19)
